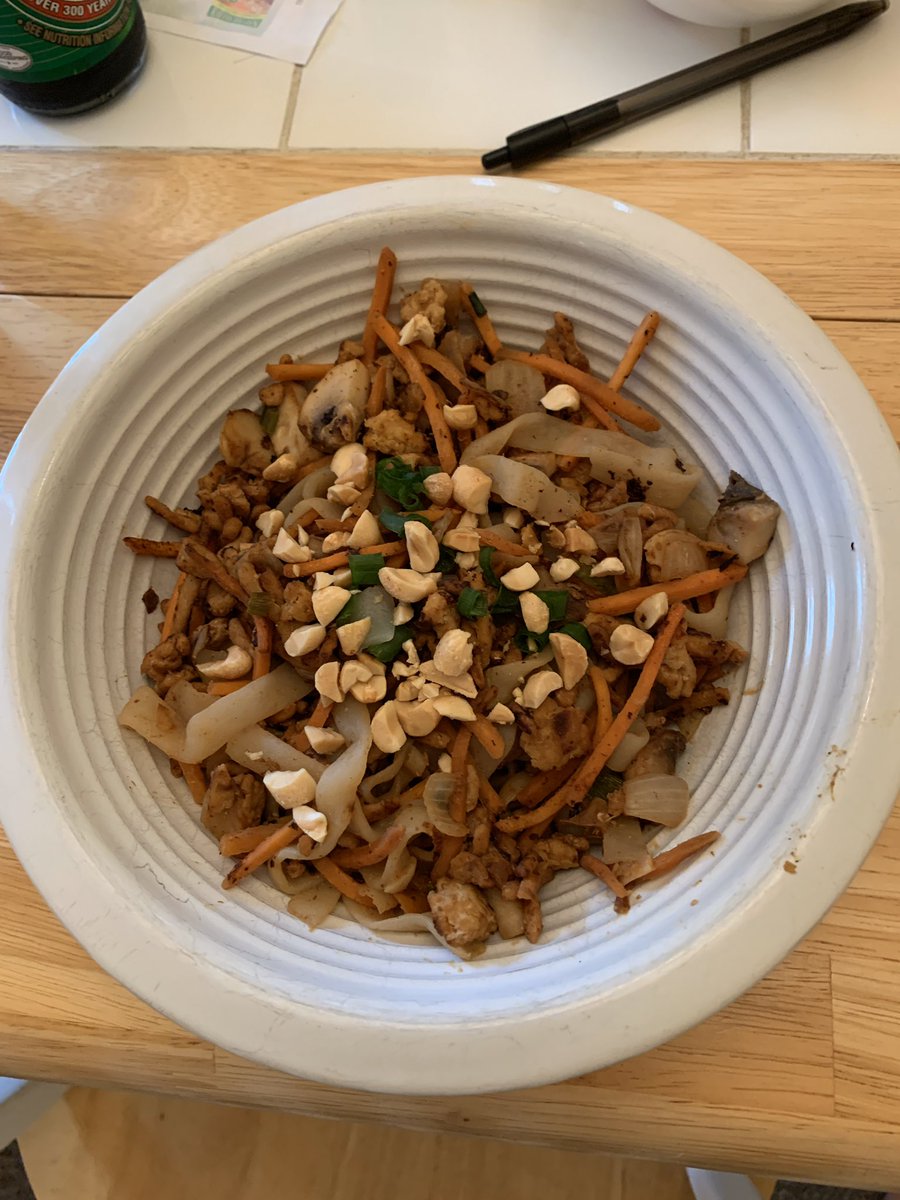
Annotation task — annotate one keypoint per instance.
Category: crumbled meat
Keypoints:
(678, 675)
(297, 604)
(349, 348)
(408, 401)
(462, 916)
(234, 800)
(601, 626)
(324, 654)
(559, 852)
(219, 602)
(468, 868)
(560, 343)
(533, 920)
(703, 648)
(660, 755)
(552, 734)
(439, 613)
(166, 658)
(271, 395)
(390, 433)
(490, 406)
(430, 300)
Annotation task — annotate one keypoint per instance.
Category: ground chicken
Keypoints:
(389, 433)
(349, 348)
(234, 800)
(703, 648)
(552, 735)
(219, 602)
(678, 675)
(440, 614)
(167, 658)
(660, 755)
(560, 343)
(430, 300)
(462, 916)
(468, 868)
(559, 852)
(298, 603)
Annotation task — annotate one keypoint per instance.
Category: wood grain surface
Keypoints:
(801, 1076)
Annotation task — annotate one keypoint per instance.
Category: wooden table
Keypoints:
(801, 1077)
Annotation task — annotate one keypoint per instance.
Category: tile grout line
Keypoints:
(745, 101)
(290, 109)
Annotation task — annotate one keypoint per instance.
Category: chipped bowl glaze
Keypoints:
(803, 765)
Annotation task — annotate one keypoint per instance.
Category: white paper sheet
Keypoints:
(285, 29)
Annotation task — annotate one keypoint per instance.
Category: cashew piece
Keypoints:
(234, 665)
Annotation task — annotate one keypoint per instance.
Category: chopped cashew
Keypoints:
(291, 788)
(513, 517)
(538, 688)
(445, 764)
(365, 532)
(578, 541)
(311, 822)
(283, 469)
(501, 715)
(562, 569)
(471, 488)
(464, 684)
(327, 681)
(328, 602)
(520, 579)
(418, 718)
(462, 539)
(372, 664)
(353, 635)
(455, 707)
(268, 523)
(555, 538)
(387, 732)
(417, 329)
(467, 561)
(571, 658)
(438, 487)
(352, 673)
(460, 416)
(371, 690)
(608, 566)
(289, 550)
(424, 550)
(340, 578)
(453, 653)
(562, 398)
(535, 613)
(335, 541)
(407, 691)
(348, 459)
(651, 610)
(324, 741)
(405, 584)
(403, 613)
(343, 492)
(304, 640)
(630, 646)
(236, 663)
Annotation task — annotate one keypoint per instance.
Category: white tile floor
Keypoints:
(461, 74)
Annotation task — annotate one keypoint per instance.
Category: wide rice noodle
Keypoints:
(528, 488)
(277, 754)
(400, 866)
(714, 622)
(209, 730)
(406, 923)
(507, 676)
(314, 901)
(187, 700)
(157, 722)
(336, 793)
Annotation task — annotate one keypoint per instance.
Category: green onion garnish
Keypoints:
(387, 651)
(485, 558)
(531, 643)
(364, 569)
(480, 310)
(472, 603)
(605, 784)
(402, 482)
(579, 633)
(557, 602)
(395, 522)
(261, 604)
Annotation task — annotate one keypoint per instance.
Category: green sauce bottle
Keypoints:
(59, 57)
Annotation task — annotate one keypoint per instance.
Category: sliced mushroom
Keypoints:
(241, 441)
(333, 411)
(520, 386)
(674, 554)
(745, 519)
(288, 437)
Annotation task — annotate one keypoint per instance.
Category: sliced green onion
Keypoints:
(446, 562)
(364, 569)
(387, 651)
(506, 602)
(557, 601)
(480, 310)
(605, 784)
(603, 585)
(261, 604)
(352, 610)
(402, 482)
(472, 603)
(531, 643)
(579, 633)
(485, 559)
(396, 521)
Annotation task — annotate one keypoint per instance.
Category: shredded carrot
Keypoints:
(317, 718)
(344, 883)
(381, 298)
(599, 868)
(341, 558)
(333, 525)
(483, 323)
(147, 548)
(450, 847)
(282, 836)
(434, 404)
(479, 363)
(575, 789)
(372, 853)
(587, 385)
(411, 903)
(604, 703)
(540, 787)
(195, 778)
(169, 622)
(670, 859)
(486, 733)
(640, 340)
(440, 363)
(187, 522)
(514, 549)
(262, 658)
(459, 760)
(490, 796)
(225, 688)
(297, 372)
(375, 403)
(233, 844)
(597, 415)
(697, 584)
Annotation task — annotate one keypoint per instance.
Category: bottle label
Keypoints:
(44, 40)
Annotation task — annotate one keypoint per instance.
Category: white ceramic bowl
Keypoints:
(735, 13)
(803, 765)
